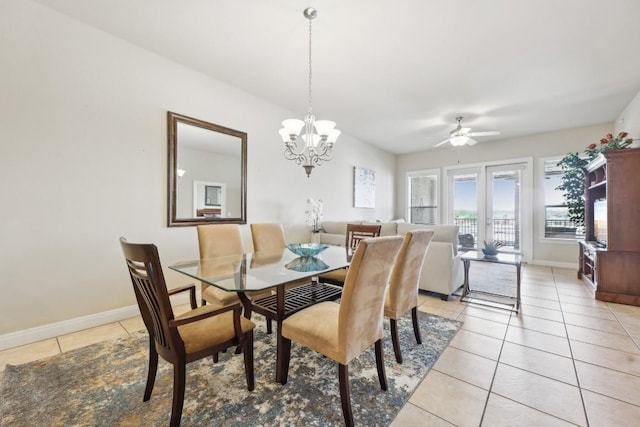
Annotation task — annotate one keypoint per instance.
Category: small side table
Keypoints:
(476, 297)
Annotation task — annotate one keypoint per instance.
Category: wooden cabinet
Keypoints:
(614, 270)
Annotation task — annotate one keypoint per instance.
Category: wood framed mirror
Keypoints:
(207, 173)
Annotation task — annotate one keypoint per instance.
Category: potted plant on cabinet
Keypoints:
(573, 176)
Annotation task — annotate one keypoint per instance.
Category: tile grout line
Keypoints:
(573, 360)
(495, 371)
(633, 339)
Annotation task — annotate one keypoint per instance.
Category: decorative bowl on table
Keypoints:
(306, 264)
(307, 249)
(490, 253)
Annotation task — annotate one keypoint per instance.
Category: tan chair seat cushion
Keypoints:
(306, 328)
(219, 298)
(337, 275)
(208, 332)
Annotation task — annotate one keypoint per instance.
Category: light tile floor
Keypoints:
(565, 359)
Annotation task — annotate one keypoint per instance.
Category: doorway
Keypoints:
(492, 202)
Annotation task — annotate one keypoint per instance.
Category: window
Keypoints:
(557, 224)
(422, 196)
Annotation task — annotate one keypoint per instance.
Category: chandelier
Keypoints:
(309, 142)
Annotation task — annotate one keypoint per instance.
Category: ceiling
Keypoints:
(396, 73)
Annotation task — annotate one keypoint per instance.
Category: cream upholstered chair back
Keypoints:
(361, 306)
(402, 293)
(343, 331)
(355, 234)
(216, 240)
(267, 236)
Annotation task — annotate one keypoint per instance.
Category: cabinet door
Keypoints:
(618, 277)
(623, 200)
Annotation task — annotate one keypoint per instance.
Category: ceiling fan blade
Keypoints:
(472, 141)
(487, 133)
(443, 142)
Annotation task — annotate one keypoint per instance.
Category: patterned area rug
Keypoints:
(103, 384)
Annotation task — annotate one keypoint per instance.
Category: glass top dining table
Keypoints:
(292, 277)
(262, 270)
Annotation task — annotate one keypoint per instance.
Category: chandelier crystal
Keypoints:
(309, 142)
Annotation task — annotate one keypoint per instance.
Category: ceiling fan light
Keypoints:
(459, 140)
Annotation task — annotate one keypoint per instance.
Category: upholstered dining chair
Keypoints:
(355, 233)
(268, 238)
(215, 240)
(402, 293)
(201, 332)
(342, 331)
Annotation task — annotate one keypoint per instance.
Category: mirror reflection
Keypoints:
(207, 172)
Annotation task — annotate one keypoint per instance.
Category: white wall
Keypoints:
(629, 119)
(84, 159)
(536, 146)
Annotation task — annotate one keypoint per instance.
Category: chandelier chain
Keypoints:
(310, 69)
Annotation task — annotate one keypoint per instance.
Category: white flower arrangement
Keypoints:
(314, 214)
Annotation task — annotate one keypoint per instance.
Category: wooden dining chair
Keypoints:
(402, 293)
(203, 331)
(355, 233)
(343, 331)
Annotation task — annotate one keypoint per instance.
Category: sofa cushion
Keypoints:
(386, 229)
(332, 239)
(337, 227)
(447, 233)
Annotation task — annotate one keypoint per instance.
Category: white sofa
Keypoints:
(442, 271)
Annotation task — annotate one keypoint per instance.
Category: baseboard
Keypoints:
(546, 263)
(28, 336)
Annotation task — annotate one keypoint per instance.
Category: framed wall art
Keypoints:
(364, 188)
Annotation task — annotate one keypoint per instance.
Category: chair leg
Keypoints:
(269, 326)
(215, 357)
(380, 364)
(345, 396)
(394, 340)
(416, 325)
(179, 377)
(284, 360)
(248, 359)
(153, 368)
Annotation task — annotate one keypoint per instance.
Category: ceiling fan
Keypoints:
(461, 136)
